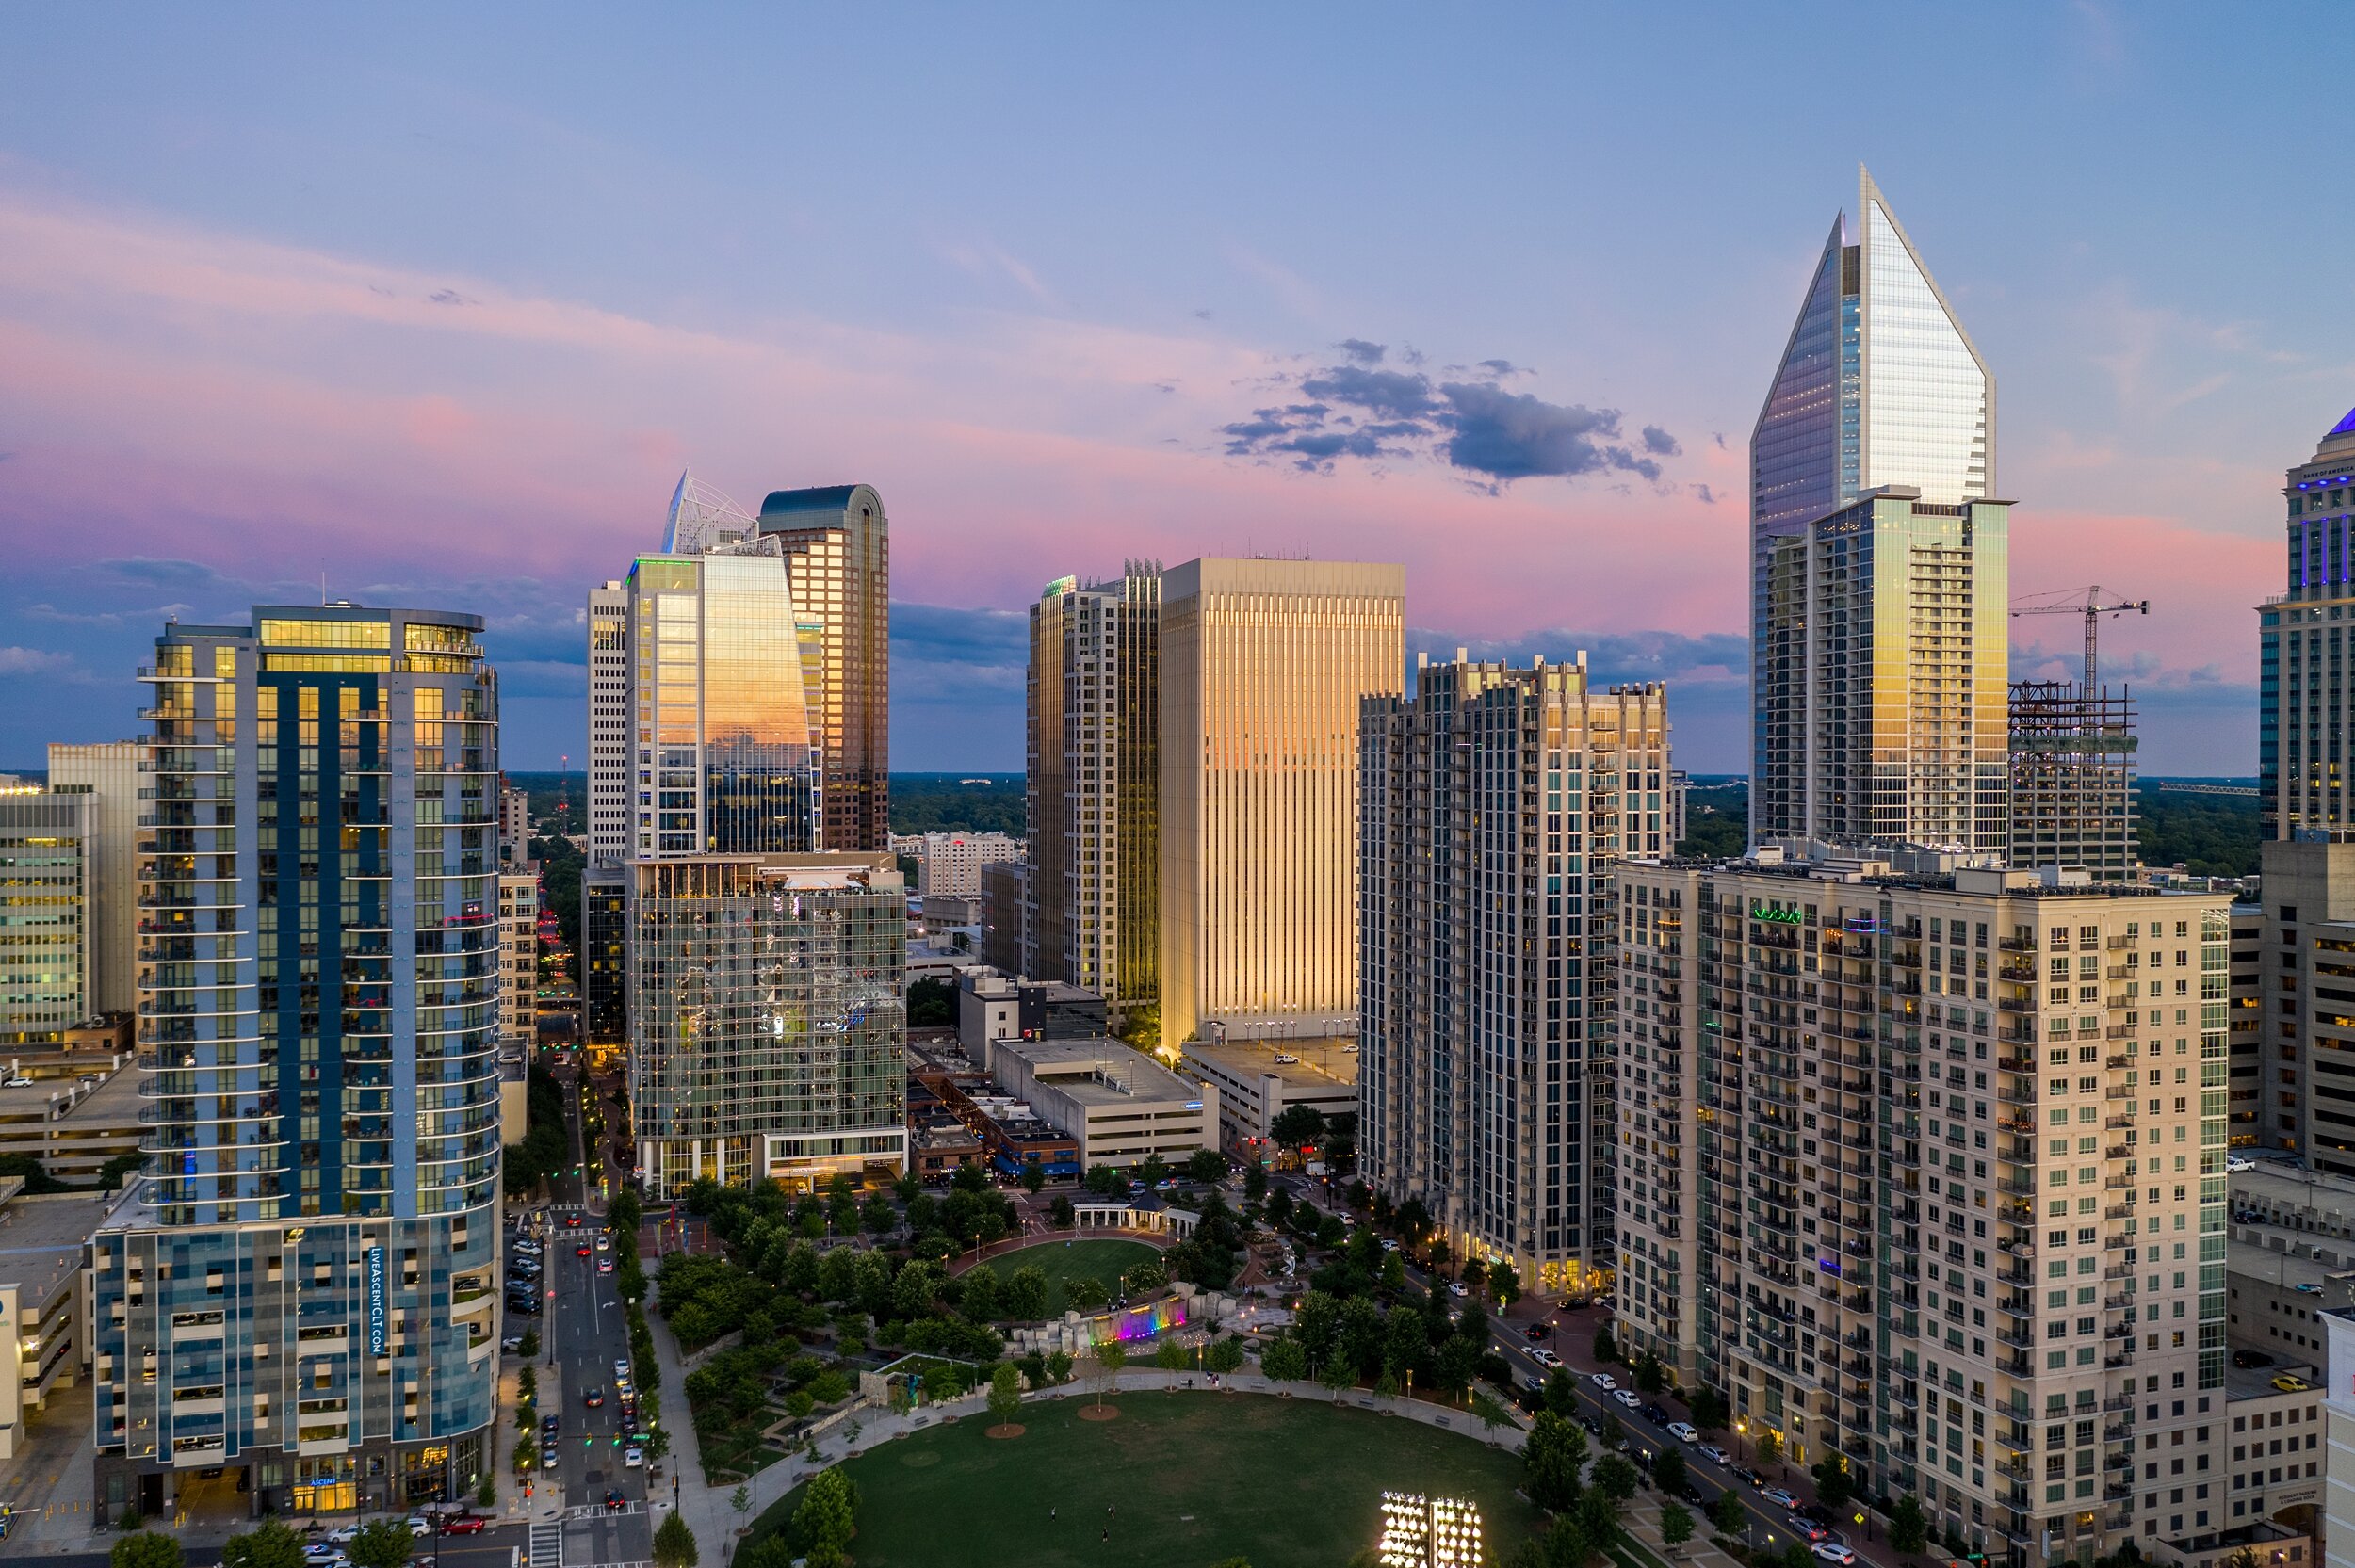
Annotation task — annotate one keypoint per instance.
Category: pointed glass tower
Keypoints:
(1879, 386)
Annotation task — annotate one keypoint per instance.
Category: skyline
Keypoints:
(350, 325)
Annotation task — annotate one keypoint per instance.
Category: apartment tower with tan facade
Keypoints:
(1927, 1173)
(1263, 666)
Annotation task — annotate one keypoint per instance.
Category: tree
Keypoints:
(675, 1544)
(878, 1217)
(1172, 1356)
(1206, 1165)
(530, 1347)
(1005, 1394)
(1475, 1275)
(269, 1545)
(1285, 1361)
(145, 1549)
(1059, 1213)
(1105, 1181)
(1297, 1127)
(1729, 1515)
(1033, 1177)
(741, 1502)
(1649, 1379)
(1909, 1531)
(1768, 1447)
(1598, 1515)
(1111, 1357)
(1505, 1286)
(1084, 1294)
(1024, 1296)
(1708, 1410)
(1676, 1526)
(980, 1299)
(1059, 1366)
(1616, 1475)
(931, 1005)
(1834, 1486)
(1152, 1171)
(1339, 1377)
(1561, 1393)
(1667, 1472)
(1254, 1181)
(1552, 1457)
(1224, 1356)
(1606, 1345)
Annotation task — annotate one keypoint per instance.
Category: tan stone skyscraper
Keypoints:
(1263, 664)
(837, 546)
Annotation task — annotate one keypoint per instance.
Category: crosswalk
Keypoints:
(547, 1545)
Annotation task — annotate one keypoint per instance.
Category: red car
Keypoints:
(581, 1251)
(464, 1524)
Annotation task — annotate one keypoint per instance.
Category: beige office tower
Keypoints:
(1263, 666)
(610, 745)
(838, 549)
(1927, 1172)
(109, 770)
(1493, 804)
(519, 955)
(1094, 753)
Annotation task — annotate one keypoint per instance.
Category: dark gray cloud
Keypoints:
(1359, 409)
(1709, 496)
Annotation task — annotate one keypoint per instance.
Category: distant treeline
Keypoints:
(2209, 835)
(976, 802)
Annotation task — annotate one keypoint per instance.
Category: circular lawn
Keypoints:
(1103, 1259)
(1195, 1479)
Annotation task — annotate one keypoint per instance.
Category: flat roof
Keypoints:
(41, 1239)
(116, 1099)
(2276, 1181)
(2256, 1382)
(2277, 1265)
(1062, 1065)
(1324, 1067)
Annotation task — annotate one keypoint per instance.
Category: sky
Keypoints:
(435, 304)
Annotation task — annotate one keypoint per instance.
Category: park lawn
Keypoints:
(1196, 1478)
(1104, 1259)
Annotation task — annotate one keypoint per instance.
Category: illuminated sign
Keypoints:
(1776, 916)
(376, 1302)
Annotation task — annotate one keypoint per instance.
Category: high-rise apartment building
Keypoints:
(950, 866)
(837, 544)
(1094, 787)
(2306, 1047)
(1880, 675)
(2072, 779)
(1493, 805)
(514, 826)
(2245, 1041)
(612, 764)
(2304, 697)
(1878, 386)
(302, 1288)
(771, 1026)
(519, 954)
(109, 770)
(47, 844)
(604, 954)
(1927, 1171)
(1263, 666)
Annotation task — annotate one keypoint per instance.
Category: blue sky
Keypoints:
(439, 300)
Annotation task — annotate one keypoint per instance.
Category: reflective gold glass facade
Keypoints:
(838, 544)
(1263, 665)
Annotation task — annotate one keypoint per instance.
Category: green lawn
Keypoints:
(1196, 1478)
(1106, 1260)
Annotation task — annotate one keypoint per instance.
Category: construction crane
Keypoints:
(2092, 609)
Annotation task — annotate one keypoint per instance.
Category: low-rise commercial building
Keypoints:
(992, 1005)
(43, 1245)
(1259, 1080)
(1120, 1106)
(77, 1115)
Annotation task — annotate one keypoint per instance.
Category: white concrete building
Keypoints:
(1119, 1104)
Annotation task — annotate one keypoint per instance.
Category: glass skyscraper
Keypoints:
(302, 1287)
(2302, 765)
(1879, 386)
(837, 544)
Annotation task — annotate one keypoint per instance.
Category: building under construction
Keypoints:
(2072, 778)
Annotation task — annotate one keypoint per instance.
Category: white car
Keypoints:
(1684, 1431)
(20, 1081)
(1602, 1380)
(1545, 1358)
(343, 1537)
(633, 1458)
(1832, 1551)
(1627, 1397)
(621, 1370)
(1455, 1288)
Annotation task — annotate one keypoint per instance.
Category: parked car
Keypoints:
(343, 1536)
(1602, 1380)
(1683, 1432)
(620, 1370)
(1747, 1475)
(1777, 1497)
(1832, 1551)
(1711, 1450)
(1655, 1413)
(1627, 1397)
(464, 1524)
(1808, 1530)
(1535, 1331)
(511, 1344)
(1545, 1358)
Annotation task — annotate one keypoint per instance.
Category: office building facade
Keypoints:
(766, 994)
(519, 955)
(1092, 787)
(1881, 674)
(514, 827)
(109, 770)
(1493, 805)
(1928, 1175)
(2303, 772)
(837, 544)
(1263, 666)
(2305, 1045)
(46, 937)
(1878, 385)
(950, 866)
(611, 815)
(303, 1288)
